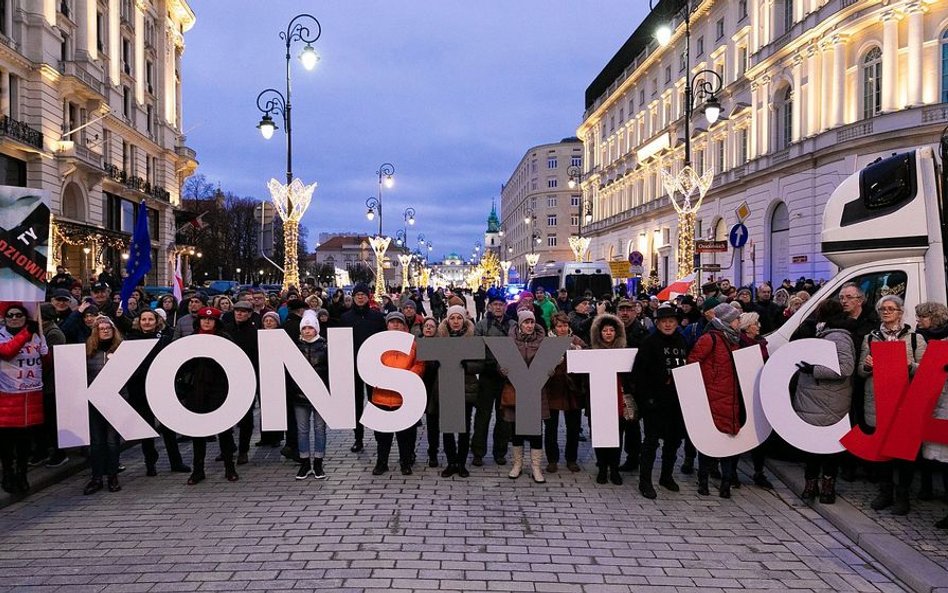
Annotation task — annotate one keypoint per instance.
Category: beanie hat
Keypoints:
(525, 314)
(161, 313)
(274, 315)
(395, 315)
(726, 313)
(310, 320)
(710, 303)
(457, 309)
(7, 305)
(455, 300)
(361, 287)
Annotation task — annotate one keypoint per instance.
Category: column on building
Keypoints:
(5, 92)
(756, 24)
(168, 80)
(813, 60)
(890, 60)
(826, 85)
(752, 151)
(139, 52)
(83, 48)
(764, 116)
(839, 80)
(797, 106)
(916, 15)
(115, 44)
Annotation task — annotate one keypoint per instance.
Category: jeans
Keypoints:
(306, 415)
(488, 402)
(456, 448)
(552, 428)
(728, 467)
(104, 446)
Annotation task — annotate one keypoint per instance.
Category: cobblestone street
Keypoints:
(356, 532)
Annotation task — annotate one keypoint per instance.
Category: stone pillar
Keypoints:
(763, 139)
(82, 30)
(916, 14)
(139, 42)
(797, 106)
(839, 80)
(826, 86)
(753, 150)
(5, 92)
(115, 44)
(890, 60)
(813, 60)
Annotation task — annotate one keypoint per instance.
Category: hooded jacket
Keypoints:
(596, 343)
(713, 352)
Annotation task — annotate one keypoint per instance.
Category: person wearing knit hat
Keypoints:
(457, 324)
(365, 322)
(713, 352)
(528, 337)
(457, 309)
(315, 351)
(362, 288)
(270, 320)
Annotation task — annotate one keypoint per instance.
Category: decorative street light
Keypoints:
(401, 237)
(379, 242)
(704, 85)
(292, 199)
(579, 244)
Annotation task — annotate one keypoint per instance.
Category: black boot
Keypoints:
(703, 485)
(901, 505)
(665, 480)
(811, 490)
(9, 481)
(725, 490)
(884, 498)
(603, 476)
(22, 485)
(688, 466)
(614, 476)
(925, 491)
(828, 490)
(230, 471)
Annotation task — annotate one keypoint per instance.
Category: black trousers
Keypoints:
(488, 403)
(821, 465)
(456, 447)
(359, 430)
(245, 432)
(668, 427)
(168, 436)
(433, 426)
(226, 441)
(632, 438)
(728, 466)
(572, 418)
(15, 445)
(406, 445)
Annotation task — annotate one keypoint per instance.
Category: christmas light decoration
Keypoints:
(579, 247)
(379, 246)
(686, 183)
(291, 202)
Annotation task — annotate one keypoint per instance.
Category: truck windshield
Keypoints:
(599, 284)
(549, 283)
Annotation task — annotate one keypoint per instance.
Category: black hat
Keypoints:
(688, 300)
(495, 297)
(581, 299)
(294, 304)
(361, 287)
(666, 311)
(98, 286)
(61, 293)
(710, 303)
(710, 287)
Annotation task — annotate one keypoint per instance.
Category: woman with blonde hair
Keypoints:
(104, 440)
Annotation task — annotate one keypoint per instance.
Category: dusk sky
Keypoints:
(452, 93)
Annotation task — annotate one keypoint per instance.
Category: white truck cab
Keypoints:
(884, 228)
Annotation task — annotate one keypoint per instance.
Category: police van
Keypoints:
(575, 277)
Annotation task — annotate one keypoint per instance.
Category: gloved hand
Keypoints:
(805, 368)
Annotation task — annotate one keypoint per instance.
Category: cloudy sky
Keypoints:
(452, 93)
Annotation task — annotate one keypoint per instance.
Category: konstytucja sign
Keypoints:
(904, 407)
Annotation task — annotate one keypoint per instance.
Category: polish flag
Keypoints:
(178, 287)
(677, 287)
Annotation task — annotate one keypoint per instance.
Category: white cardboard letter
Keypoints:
(73, 397)
(406, 383)
(602, 367)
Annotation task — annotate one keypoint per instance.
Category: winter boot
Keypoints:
(614, 476)
(925, 472)
(306, 468)
(884, 498)
(603, 476)
(318, 472)
(230, 471)
(703, 484)
(517, 463)
(645, 478)
(901, 506)
(536, 458)
(665, 480)
(811, 490)
(827, 490)
(725, 490)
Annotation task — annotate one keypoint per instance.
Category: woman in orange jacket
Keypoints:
(391, 400)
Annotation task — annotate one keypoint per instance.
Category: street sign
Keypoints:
(620, 269)
(742, 211)
(636, 270)
(738, 235)
(710, 246)
(711, 268)
(636, 258)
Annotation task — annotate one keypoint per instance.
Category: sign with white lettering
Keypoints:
(24, 243)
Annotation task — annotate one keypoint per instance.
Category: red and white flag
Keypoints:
(177, 287)
(677, 287)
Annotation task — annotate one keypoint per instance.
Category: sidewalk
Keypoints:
(911, 547)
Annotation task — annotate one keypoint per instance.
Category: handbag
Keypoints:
(508, 396)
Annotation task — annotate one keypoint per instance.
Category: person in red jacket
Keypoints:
(391, 400)
(713, 352)
(22, 348)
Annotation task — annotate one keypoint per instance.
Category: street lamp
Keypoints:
(579, 245)
(379, 242)
(401, 237)
(293, 198)
(705, 85)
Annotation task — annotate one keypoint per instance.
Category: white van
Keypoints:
(884, 228)
(575, 277)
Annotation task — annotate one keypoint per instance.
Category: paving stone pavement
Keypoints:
(356, 532)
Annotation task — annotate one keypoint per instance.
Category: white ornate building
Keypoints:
(90, 95)
(813, 90)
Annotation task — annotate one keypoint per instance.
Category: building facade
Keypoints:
(813, 91)
(539, 210)
(90, 95)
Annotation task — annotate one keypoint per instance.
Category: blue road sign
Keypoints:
(738, 236)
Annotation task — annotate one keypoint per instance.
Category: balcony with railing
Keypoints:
(136, 183)
(78, 72)
(21, 132)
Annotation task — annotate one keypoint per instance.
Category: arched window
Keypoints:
(779, 246)
(783, 116)
(872, 83)
(944, 67)
(73, 206)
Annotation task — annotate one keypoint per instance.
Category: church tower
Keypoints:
(492, 238)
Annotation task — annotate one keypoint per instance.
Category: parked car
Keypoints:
(216, 287)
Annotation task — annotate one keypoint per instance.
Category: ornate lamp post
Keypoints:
(379, 242)
(704, 85)
(579, 244)
(293, 198)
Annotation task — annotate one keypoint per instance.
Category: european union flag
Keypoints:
(139, 255)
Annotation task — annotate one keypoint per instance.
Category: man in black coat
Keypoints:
(635, 334)
(365, 322)
(243, 332)
(771, 314)
(657, 398)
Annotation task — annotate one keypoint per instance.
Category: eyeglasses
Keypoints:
(848, 297)
(14, 315)
(889, 309)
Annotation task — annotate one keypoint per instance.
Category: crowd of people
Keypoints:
(703, 330)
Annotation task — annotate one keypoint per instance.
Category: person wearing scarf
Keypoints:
(712, 352)
(892, 329)
(457, 324)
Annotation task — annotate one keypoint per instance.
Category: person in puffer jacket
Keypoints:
(824, 396)
(22, 348)
(314, 349)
